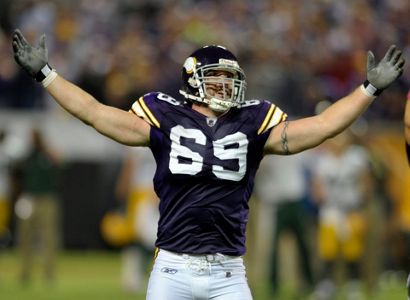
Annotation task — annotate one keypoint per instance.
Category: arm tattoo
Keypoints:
(284, 139)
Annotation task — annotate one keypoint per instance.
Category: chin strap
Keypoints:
(220, 105)
(191, 97)
(214, 103)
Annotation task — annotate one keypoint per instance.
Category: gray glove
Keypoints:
(381, 75)
(31, 59)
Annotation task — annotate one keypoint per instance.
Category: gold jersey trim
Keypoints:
(274, 116)
(141, 110)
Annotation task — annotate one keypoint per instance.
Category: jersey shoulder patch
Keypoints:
(152, 107)
(267, 115)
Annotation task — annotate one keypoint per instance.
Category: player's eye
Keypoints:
(218, 73)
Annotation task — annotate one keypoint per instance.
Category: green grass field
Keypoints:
(96, 276)
(80, 275)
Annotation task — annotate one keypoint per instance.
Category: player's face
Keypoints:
(219, 84)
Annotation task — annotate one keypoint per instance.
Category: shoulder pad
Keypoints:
(150, 107)
(270, 115)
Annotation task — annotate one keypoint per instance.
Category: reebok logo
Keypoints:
(168, 270)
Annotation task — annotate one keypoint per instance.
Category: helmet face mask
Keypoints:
(212, 75)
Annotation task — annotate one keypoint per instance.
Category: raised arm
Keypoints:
(112, 122)
(295, 136)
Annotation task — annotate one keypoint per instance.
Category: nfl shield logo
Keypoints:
(211, 121)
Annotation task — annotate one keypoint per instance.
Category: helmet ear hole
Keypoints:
(192, 82)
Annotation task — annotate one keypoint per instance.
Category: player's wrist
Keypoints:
(46, 75)
(370, 90)
(50, 78)
(43, 73)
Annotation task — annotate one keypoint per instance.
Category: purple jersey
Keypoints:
(205, 171)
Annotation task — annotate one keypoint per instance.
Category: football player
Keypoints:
(135, 186)
(407, 138)
(342, 184)
(207, 147)
(407, 126)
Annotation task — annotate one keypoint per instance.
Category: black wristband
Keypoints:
(42, 74)
(371, 89)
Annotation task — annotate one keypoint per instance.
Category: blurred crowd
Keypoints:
(331, 206)
(294, 53)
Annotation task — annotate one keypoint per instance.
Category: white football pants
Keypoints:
(197, 277)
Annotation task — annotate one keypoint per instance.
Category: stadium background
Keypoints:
(295, 53)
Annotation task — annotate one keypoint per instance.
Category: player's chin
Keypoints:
(222, 96)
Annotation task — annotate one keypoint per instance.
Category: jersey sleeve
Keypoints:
(270, 116)
(147, 108)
